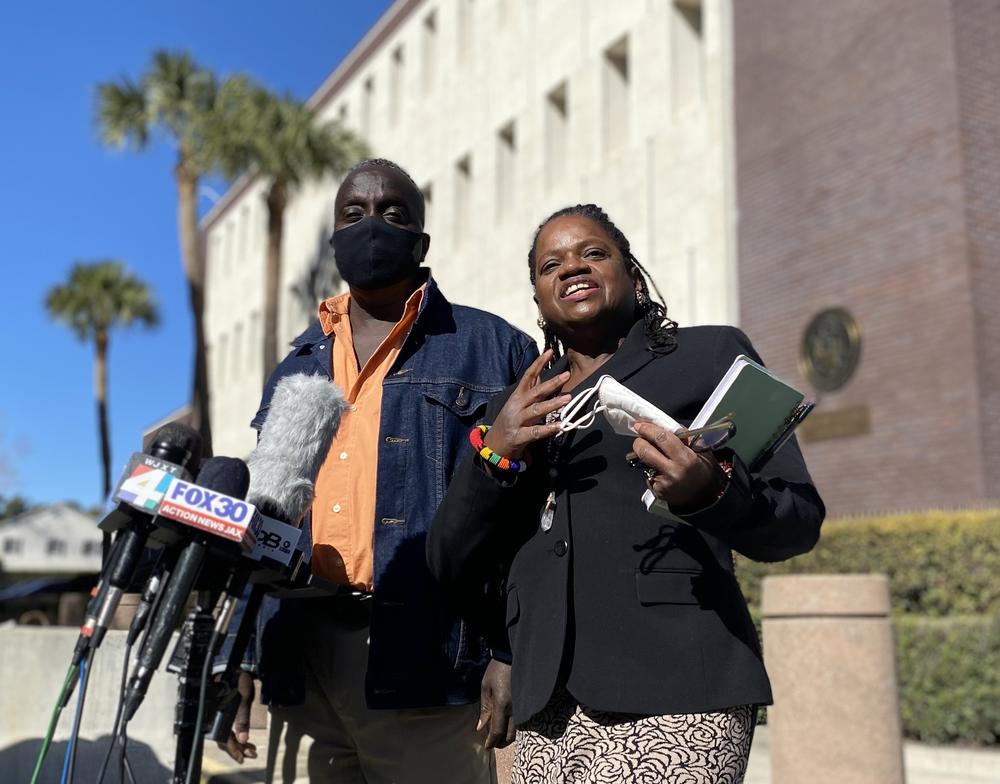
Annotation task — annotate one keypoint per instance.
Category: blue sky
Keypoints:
(65, 198)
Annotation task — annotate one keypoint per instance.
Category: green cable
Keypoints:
(70, 675)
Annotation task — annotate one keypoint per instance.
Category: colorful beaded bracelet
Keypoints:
(476, 436)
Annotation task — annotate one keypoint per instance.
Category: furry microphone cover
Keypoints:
(302, 421)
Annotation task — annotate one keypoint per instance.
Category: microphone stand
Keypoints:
(192, 651)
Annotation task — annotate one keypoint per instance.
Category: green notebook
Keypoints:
(761, 405)
(766, 411)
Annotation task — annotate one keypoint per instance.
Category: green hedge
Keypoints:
(939, 563)
(944, 579)
(949, 676)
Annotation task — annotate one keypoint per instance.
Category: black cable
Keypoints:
(78, 717)
(126, 766)
(119, 713)
(199, 722)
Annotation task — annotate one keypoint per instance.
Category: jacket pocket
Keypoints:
(453, 409)
(668, 586)
(458, 398)
(513, 607)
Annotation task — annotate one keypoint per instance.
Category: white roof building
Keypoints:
(53, 540)
(503, 112)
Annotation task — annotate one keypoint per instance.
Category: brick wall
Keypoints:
(977, 51)
(851, 191)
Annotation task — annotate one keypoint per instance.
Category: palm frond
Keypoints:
(99, 296)
(180, 94)
(280, 137)
(122, 114)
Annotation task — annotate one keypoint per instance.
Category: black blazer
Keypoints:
(631, 612)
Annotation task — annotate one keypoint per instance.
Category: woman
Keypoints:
(634, 656)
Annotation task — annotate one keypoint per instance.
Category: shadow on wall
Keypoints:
(320, 280)
(17, 762)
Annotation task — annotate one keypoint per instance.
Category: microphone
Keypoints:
(225, 475)
(302, 421)
(175, 450)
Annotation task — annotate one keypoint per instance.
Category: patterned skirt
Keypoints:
(567, 743)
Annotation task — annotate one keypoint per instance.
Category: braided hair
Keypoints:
(659, 328)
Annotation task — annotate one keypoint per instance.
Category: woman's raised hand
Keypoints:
(521, 421)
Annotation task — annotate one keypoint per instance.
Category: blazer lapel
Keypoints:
(632, 355)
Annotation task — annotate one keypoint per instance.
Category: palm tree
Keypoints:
(281, 139)
(97, 297)
(177, 97)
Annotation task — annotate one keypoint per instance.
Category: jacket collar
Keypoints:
(632, 355)
(314, 334)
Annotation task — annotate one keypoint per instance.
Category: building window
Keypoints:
(220, 359)
(237, 363)
(466, 29)
(686, 54)
(429, 36)
(215, 258)
(55, 547)
(254, 347)
(91, 548)
(506, 169)
(367, 96)
(230, 247)
(12, 546)
(253, 229)
(616, 95)
(556, 134)
(463, 192)
(241, 258)
(428, 191)
(395, 84)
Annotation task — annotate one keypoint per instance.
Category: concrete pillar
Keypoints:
(830, 652)
(125, 611)
(72, 609)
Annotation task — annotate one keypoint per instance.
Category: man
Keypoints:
(385, 676)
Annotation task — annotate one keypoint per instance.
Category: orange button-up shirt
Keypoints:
(343, 512)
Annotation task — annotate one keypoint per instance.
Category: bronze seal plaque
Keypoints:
(831, 349)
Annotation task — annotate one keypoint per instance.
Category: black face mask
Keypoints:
(373, 254)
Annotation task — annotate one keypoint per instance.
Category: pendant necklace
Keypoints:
(552, 450)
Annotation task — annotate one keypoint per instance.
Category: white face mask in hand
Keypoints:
(621, 407)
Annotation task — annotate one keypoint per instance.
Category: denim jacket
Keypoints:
(421, 652)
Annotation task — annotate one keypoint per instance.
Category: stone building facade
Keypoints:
(770, 161)
(504, 111)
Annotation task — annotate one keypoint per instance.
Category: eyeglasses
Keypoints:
(709, 437)
(701, 439)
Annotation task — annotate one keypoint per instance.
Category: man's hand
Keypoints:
(496, 706)
(238, 746)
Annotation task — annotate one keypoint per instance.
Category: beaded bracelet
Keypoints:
(476, 436)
